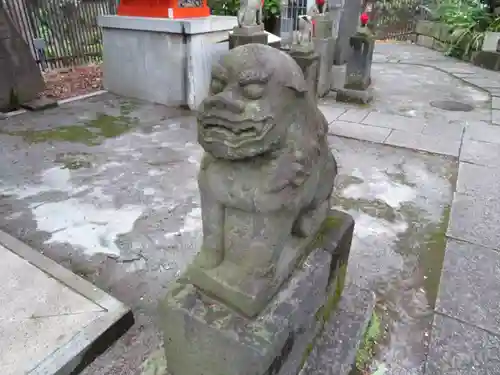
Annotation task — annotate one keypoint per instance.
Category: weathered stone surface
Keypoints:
(475, 219)
(473, 269)
(324, 48)
(331, 113)
(359, 64)
(355, 96)
(423, 142)
(40, 104)
(424, 27)
(349, 21)
(204, 336)
(449, 130)
(481, 153)
(20, 78)
(495, 102)
(323, 28)
(481, 131)
(354, 115)
(250, 13)
(359, 131)
(487, 60)
(238, 39)
(478, 180)
(386, 120)
(265, 179)
(495, 116)
(425, 41)
(309, 63)
(338, 77)
(460, 349)
(334, 352)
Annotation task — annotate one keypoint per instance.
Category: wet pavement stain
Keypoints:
(125, 214)
(400, 202)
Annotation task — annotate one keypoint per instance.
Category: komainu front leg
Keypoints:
(212, 251)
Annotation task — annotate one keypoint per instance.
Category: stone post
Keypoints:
(337, 72)
(324, 45)
(358, 71)
(247, 34)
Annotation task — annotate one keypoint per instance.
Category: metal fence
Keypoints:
(394, 19)
(60, 33)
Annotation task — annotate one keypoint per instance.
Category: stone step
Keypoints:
(55, 323)
(334, 352)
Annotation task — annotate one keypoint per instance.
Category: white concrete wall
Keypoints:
(162, 60)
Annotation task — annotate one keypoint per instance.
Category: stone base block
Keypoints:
(202, 336)
(355, 96)
(425, 41)
(237, 39)
(338, 77)
(162, 60)
(40, 104)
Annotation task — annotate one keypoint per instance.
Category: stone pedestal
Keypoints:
(358, 70)
(165, 61)
(203, 336)
(246, 35)
(309, 62)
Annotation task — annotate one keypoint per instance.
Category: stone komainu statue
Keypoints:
(265, 179)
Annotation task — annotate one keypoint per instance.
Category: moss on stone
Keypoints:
(91, 132)
(366, 349)
(324, 312)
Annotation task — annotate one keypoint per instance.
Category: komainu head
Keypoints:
(256, 94)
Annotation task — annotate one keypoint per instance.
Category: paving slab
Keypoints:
(476, 220)
(482, 153)
(447, 131)
(51, 322)
(423, 142)
(495, 116)
(460, 349)
(478, 181)
(470, 285)
(331, 113)
(495, 102)
(482, 131)
(359, 131)
(354, 115)
(385, 120)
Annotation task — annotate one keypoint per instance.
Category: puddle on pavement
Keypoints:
(400, 201)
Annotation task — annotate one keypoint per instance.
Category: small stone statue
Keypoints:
(265, 179)
(250, 13)
(305, 30)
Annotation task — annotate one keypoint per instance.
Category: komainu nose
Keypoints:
(225, 101)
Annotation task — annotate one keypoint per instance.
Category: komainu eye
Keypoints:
(216, 86)
(253, 91)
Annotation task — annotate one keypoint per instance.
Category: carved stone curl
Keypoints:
(266, 176)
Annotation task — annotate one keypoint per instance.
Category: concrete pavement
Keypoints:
(465, 336)
(106, 188)
(51, 321)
